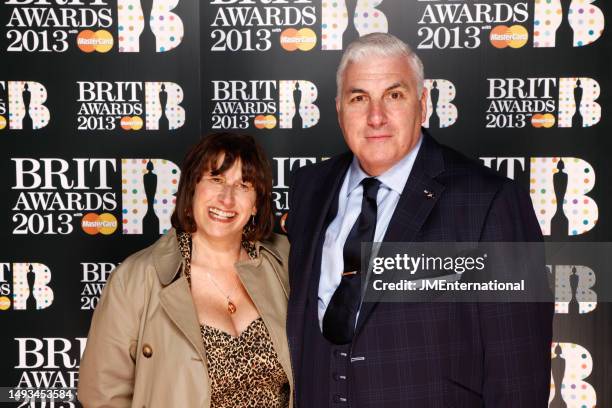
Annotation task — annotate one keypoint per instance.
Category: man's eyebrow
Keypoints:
(396, 85)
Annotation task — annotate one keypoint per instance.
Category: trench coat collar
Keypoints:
(168, 261)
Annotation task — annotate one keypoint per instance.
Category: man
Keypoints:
(399, 185)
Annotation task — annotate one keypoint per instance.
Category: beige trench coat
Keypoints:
(144, 347)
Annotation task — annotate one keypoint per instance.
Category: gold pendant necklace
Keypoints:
(231, 307)
(186, 246)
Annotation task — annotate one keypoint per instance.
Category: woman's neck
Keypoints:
(214, 253)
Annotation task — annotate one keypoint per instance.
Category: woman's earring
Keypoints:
(249, 227)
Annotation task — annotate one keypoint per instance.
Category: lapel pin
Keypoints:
(428, 194)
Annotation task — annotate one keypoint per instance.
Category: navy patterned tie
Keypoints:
(339, 318)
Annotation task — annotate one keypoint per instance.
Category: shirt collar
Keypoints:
(395, 178)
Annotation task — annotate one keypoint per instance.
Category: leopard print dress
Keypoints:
(244, 371)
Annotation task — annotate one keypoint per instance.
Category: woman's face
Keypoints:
(223, 204)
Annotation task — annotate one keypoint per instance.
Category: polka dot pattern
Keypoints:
(134, 197)
(39, 113)
(588, 109)
(174, 112)
(334, 21)
(587, 298)
(165, 25)
(581, 211)
(446, 111)
(41, 291)
(308, 111)
(586, 20)
(578, 366)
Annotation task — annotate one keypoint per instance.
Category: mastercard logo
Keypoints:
(513, 37)
(131, 123)
(90, 41)
(5, 303)
(2, 122)
(265, 121)
(304, 39)
(104, 223)
(545, 120)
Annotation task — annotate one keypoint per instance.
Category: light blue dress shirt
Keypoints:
(349, 208)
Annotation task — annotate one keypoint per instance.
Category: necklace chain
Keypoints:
(214, 282)
(185, 246)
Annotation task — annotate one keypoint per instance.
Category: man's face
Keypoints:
(379, 111)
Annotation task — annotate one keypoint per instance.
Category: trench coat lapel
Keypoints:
(175, 296)
(270, 299)
(176, 301)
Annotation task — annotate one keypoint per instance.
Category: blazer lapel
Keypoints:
(418, 198)
(304, 269)
(326, 196)
(420, 194)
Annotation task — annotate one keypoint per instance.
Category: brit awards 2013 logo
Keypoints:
(90, 25)
(129, 105)
(253, 25)
(249, 25)
(559, 188)
(265, 104)
(441, 113)
(464, 25)
(94, 276)
(22, 105)
(48, 362)
(29, 287)
(571, 365)
(543, 102)
(58, 195)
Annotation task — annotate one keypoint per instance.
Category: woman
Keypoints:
(198, 318)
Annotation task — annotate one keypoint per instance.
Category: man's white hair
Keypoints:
(380, 45)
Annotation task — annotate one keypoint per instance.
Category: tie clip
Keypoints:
(349, 273)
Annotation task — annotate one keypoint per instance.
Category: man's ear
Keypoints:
(423, 103)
